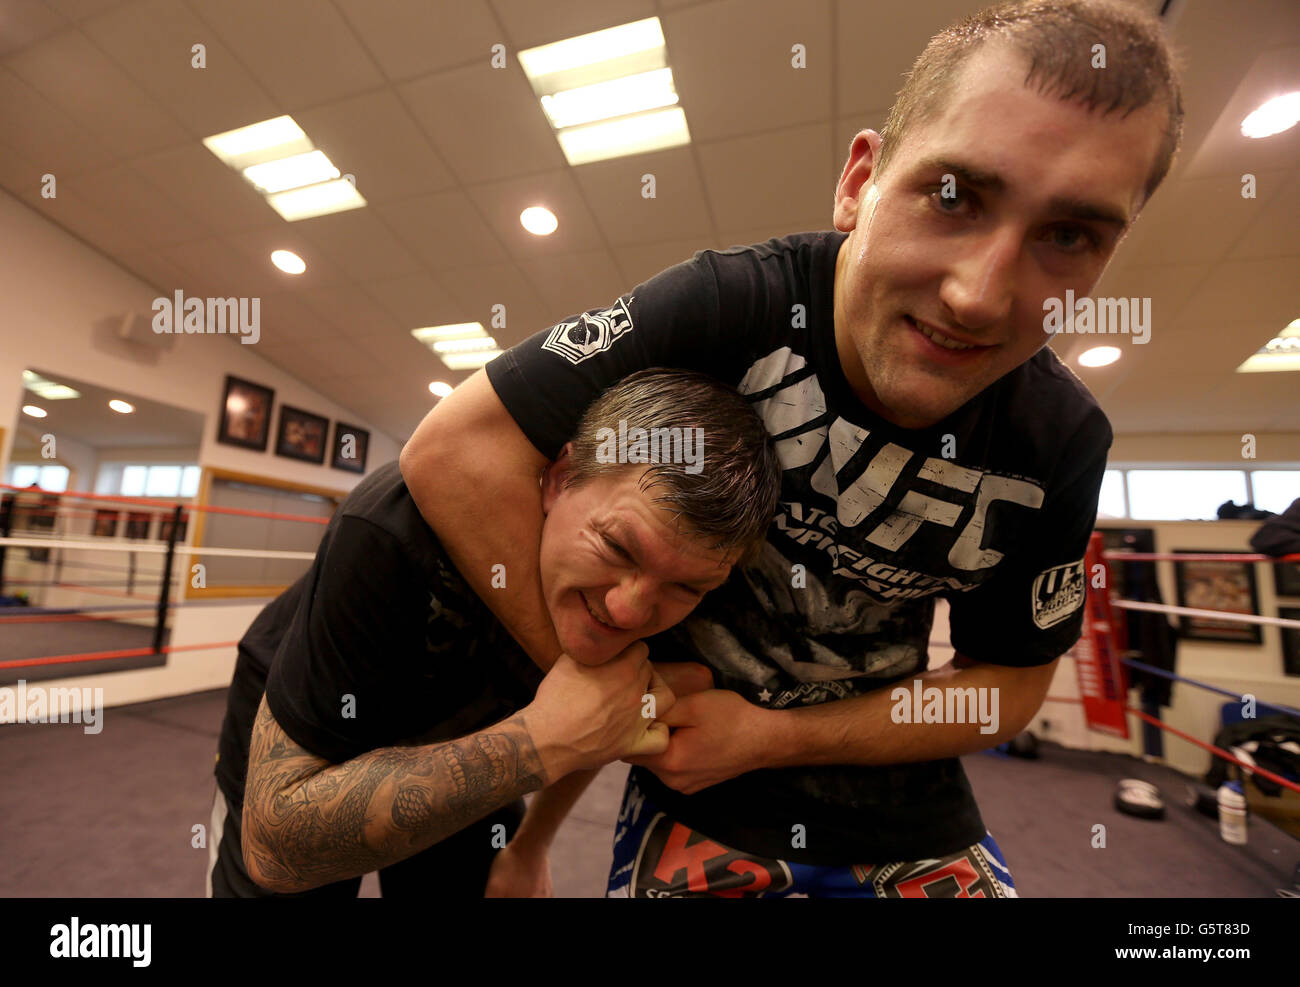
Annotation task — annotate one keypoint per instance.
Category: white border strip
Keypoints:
(1244, 618)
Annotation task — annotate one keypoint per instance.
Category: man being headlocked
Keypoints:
(380, 717)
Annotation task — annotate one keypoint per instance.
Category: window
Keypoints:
(1182, 495)
(52, 478)
(153, 480)
(1275, 489)
(1111, 502)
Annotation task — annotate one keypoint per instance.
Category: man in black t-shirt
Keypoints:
(931, 448)
(380, 718)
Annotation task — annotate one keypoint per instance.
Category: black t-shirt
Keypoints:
(882, 520)
(380, 641)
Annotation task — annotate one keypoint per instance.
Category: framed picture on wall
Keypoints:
(301, 435)
(1128, 540)
(1227, 586)
(165, 529)
(137, 524)
(245, 414)
(1286, 578)
(1290, 641)
(105, 525)
(351, 444)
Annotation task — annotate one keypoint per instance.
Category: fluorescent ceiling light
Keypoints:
(47, 389)
(1281, 354)
(590, 49)
(316, 200)
(268, 140)
(1278, 114)
(33, 411)
(288, 261)
(539, 221)
(651, 131)
(444, 346)
(469, 361)
(454, 330)
(618, 97)
(1099, 356)
(293, 172)
(121, 407)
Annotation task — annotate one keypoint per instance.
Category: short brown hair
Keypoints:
(1057, 37)
(731, 497)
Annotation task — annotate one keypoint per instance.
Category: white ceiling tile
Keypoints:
(734, 82)
(574, 283)
(760, 234)
(49, 137)
(81, 9)
(502, 202)
(479, 289)
(616, 192)
(24, 22)
(126, 197)
(640, 262)
(360, 244)
(83, 82)
(1275, 230)
(409, 39)
(445, 230)
(152, 41)
(302, 51)
(416, 300)
(780, 177)
(218, 195)
(871, 69)
(1268, 289)
(84, 220)
(529, 23)
(485, 122)
(373, 138)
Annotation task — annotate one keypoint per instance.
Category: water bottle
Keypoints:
(1232, 812)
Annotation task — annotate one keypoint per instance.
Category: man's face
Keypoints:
(1044, 190)
(614, 567)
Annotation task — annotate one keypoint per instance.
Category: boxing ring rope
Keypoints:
(58, 510)
(1109, 643)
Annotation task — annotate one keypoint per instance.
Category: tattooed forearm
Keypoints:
(308, 822)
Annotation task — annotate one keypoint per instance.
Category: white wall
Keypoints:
(53, 291)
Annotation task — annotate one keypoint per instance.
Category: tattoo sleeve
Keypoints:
(308, 822)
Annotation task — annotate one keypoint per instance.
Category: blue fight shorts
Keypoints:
(656, 857)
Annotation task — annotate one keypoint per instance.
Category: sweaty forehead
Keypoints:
(658, 540)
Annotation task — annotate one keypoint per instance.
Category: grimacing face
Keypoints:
(614, 567)
(1044, 191)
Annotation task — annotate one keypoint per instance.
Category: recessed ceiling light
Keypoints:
(653, 131)
(1278, 114)
(288, 261)
(1099, 356)
(293, 172)
(121, 407)
(268, 140)
(316, 200)
(440, 388)
(539, 221)
(452, 330)
(33, 411)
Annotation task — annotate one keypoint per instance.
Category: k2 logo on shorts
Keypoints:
(677, 862)
(1058, 593)
(965, 874)
(590, 333)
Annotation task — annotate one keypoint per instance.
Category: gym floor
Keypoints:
(111, 815)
